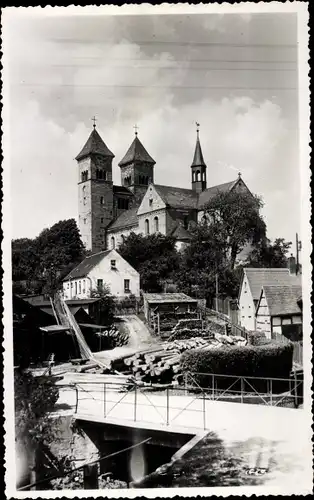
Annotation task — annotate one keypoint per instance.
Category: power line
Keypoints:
(213, 87)
(82, 466)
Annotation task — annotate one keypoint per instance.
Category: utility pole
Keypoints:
(298, 248)
(217, 291)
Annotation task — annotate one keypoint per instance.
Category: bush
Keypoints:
(258, 338)
(273, 360)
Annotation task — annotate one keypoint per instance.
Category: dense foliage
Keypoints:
(267, 254)
(153, 256)
(271, 360)
(39, 264)
(103, 312)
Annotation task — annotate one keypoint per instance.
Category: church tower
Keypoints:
(95, 191)
(198, 167)
(137, 169)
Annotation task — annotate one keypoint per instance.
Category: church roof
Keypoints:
(210, 192)
(94, 145)
(126, 219)
(198, 159)
(177, 197)
(122, 190)
(136, 152)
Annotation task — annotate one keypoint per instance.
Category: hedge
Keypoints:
(273, 360)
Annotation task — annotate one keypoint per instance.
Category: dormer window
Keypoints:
(113, 264)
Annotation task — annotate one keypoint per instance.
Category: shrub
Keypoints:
(273, 360)
(257, 338)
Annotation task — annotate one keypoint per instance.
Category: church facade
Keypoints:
(108, 213)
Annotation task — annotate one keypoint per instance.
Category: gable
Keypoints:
(259, 277)
(151, 201)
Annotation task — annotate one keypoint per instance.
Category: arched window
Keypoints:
(156, 224)
(113, 243)
(102, 200)
(84, 195)
(198, 173)
(146, 226)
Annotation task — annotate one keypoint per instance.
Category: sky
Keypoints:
(235, 74)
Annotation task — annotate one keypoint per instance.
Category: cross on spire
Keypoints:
(136, 129)
(94, 119)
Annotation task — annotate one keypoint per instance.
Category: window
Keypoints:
(276, 321)
(146, 226)
(100, 284)
(286, 321)
(101, 220)
(76, 288)
(126, 286)
(84, 221)
(156, 223)
(198, 173)
(113, 244)
(151, 202)
(186, 222)
(80, 287)
(102, 200)
(83, 286)
(113, 264)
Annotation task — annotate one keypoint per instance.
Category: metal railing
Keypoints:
(235, 329)
(165, 404)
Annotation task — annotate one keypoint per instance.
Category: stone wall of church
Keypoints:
(155, 221)
(114, 239)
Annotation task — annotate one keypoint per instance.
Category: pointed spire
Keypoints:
(198, 160)
(94, 145)
(136, 152)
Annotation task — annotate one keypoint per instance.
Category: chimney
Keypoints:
(291, 264)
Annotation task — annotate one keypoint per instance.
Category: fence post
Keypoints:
(105, 399)
(167, 405)
(185, 383)
(213, 386)
(135, 401)
(204, 411)
(77, 398)
(242, 389)
(271, 391)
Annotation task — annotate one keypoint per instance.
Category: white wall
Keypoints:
(118, 236)
(263, 319)
(113, 278)
(246, 306)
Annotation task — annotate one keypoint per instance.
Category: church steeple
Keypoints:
(198, 166)
(137, 168)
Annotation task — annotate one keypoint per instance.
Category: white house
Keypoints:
(100, 269)
(253, 279)
(279, 305)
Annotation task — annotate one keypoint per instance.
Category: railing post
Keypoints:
(135, 401)
(271, 391)
(213, 386)
(204, 411)
(167, 405)
(242, 389)
(105, 390)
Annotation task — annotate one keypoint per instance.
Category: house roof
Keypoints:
(94, 145)
(136, 152)
(282, 299)
(258, 277)
(177, 197)
(212, 191)
(86, 265)
(158, 298)
(198, 160)
(181, 234)
(126, 219)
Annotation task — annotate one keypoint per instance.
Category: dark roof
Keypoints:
(177, 197)
(181, 234)
(198, 160)
(94, 145)
(282, 299)
(212, 191)
(86, 265)
(122, 190)
(259, 277)
(136, 152)
(158, 298)
(44, 305)
(126, 219)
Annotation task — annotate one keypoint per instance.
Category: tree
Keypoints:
(103, 313)
(267, 254)
(154, 257)
(40, 264)
(235, 221)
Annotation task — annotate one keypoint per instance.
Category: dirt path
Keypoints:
(140, 336)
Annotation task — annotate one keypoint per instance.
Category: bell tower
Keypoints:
(198, 166)
(137, 169)
(95, 191)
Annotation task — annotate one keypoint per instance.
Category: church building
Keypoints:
(109, 213)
